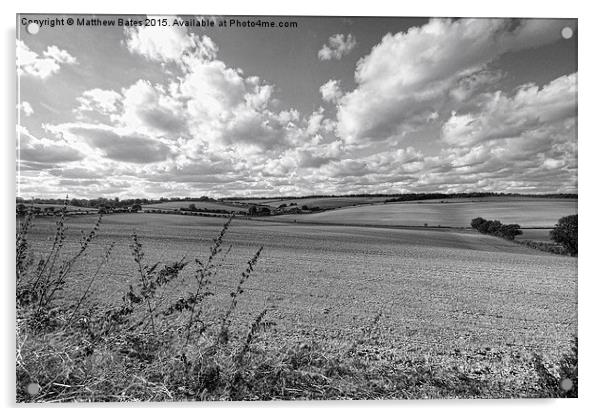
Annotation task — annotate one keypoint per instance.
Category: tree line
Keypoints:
(413, 196)
(565, 232)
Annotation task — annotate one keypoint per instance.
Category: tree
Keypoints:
(509, 231)
(495, 227)
(478, 222)
(192, 207)
(263, 211)
(565, 233)
(258, 210)
(136, 208)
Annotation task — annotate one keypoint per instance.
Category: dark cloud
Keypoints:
(126, 148)
(50, 154)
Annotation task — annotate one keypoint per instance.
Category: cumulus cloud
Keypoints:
(150, 108)
(411, 74)
(227, 109)
(501, 116)
(113, 144)
(26, 108)
(169, 44)
(60, 56)
(30, 63)
(209, 109)
(211, 127)
(43, 150)
(103, 101)
(331, 91)
(337, 47)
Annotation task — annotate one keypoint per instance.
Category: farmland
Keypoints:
(438, 290)
(199, 204)
(320, 202)
(356, 310)
(58, 207)
(535, 234)
(526, 213)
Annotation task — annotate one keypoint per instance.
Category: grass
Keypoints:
(141, 315)
(535, 234)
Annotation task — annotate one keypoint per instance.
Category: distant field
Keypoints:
(527, 213)
(541, 234)
(438, 289)
(327, 203)
(58, 207)
(174, 205)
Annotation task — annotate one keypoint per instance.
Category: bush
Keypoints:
(545, 246)
(565, 233)
(477, 223)
(496, 228)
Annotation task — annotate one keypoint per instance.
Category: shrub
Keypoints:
(545, 246)
(255, 210)
(496, 228)
(477, 223)
(565, 233)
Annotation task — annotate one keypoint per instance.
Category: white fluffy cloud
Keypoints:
(410, 75)
(211, 128)
(337, 47)
(208, 124)
(26, 108)
(502, 117)
(30, 63)
(331, 91)
(168, 44)
(103, 101)
(60, 56)
(151, 109)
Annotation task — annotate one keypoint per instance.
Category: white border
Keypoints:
(589, 188)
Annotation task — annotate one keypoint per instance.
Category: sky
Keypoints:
(332, 106)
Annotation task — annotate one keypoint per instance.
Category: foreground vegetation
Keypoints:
(158, 342)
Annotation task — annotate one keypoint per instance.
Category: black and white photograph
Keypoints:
(276, 208)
